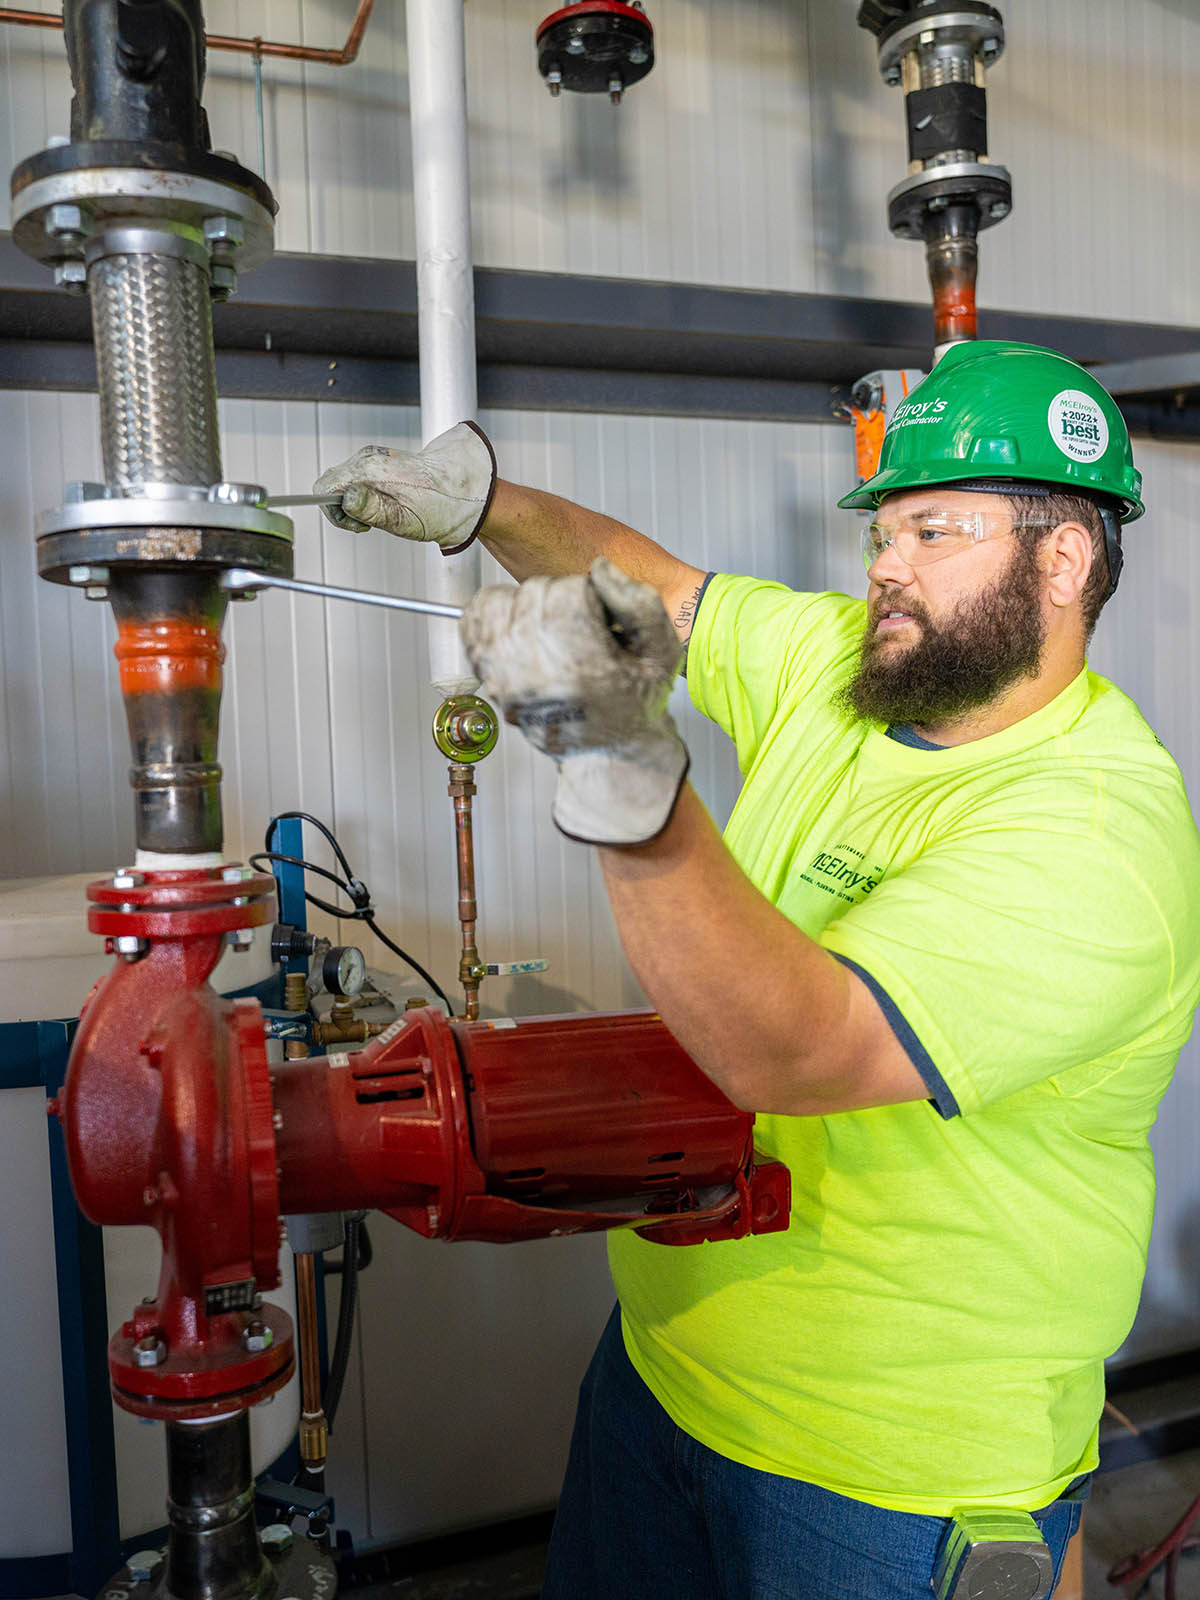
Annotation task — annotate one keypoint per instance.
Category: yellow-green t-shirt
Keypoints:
(930, 1331)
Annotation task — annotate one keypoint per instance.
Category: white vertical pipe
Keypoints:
(437, 91)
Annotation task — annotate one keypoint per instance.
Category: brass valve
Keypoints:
(465, 728)
(343, 1027)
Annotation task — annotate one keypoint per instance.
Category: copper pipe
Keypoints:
(314, 1430)
(246, 47)
(470, 970)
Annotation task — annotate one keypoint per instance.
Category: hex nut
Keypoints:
(77, 493)
(150, 1351)
(66, 220)
(145, 1565)
(235, 874)
(276, 1538)
(223, 279)
(238, 494)
(240, 938)
(224, 230)
(257, 1336)
(86, 575)
(130, 944)
(71, 276)
(128, 880)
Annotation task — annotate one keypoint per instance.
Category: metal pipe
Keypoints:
(437, 89)
(952, 259)
(314, 1430)
(170, 653)
(246, 47)
(470, 969)
(213, 1551)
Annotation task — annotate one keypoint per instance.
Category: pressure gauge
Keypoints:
(344, 970)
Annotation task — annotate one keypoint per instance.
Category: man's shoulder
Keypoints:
(1112, 730)
(765, 615)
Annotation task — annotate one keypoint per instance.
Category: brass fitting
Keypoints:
(465, 728)
(343, 1027)
(314, 1439)
(295, 991)
(294, 1050)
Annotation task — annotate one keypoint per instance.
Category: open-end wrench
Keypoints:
(305, 499)
(240, 580)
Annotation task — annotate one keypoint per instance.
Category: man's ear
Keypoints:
(1066, 555)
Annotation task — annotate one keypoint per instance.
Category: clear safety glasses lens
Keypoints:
(920, 540)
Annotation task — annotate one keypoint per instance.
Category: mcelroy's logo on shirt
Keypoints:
(843, 871)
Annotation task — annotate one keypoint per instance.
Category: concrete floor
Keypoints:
(1134, 1508)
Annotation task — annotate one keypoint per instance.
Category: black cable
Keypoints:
(351, 886)
(340, 1359)
(415, 965)
(366, 1254)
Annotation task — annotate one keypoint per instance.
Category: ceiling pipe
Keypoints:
(437, 88)
(219, 41)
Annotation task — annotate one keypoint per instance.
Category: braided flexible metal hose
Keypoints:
(152, 319)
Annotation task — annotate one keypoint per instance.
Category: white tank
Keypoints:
(48, 962)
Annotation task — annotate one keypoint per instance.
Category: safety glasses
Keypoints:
(932, 535)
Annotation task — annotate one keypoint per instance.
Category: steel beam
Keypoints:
(331, 328)
(1168, 374)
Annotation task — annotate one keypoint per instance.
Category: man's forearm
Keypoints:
(532, 533)
(764, 1010)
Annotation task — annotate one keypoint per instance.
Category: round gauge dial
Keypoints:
(344, 970)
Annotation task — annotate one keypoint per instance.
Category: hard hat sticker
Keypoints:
(1077, 425)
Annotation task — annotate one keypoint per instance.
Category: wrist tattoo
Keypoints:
(683, 620)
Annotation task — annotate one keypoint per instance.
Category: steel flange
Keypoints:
(982, 183)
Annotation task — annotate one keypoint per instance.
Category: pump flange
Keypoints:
(595, 47)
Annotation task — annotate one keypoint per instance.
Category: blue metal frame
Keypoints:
(287, 837)
(34, 1054)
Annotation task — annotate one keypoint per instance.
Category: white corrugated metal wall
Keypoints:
(758, 154)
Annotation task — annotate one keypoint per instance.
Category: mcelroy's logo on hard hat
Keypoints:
(914, 412)
(1077, 425)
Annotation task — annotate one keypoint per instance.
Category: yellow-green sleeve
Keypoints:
(1016, 954)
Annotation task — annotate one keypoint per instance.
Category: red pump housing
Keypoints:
(482, 1130)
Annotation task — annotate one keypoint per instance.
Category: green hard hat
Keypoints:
(993, 413)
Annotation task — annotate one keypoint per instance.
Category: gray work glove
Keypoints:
(584, 667)
(439, 495)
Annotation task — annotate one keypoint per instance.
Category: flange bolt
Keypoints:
(276, 1539)
(145, 1565)
(150, 1351)
(257, 1336)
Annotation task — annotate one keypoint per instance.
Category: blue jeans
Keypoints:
(649, 1513)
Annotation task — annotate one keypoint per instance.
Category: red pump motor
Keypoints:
(483, 1130)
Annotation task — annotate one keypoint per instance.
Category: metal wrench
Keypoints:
(305, 499)
(240, 580)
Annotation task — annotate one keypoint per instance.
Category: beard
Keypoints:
(988, 642)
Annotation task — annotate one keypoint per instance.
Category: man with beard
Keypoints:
(948, 950)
